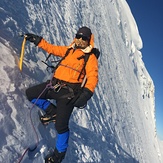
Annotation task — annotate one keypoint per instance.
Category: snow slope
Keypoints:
(118, 126)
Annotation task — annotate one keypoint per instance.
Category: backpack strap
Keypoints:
(66, 54)
(94, 51)
(86, 57)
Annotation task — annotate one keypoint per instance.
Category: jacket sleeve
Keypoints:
(52, 49)
(92, 73)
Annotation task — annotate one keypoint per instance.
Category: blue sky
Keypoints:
(149, 19)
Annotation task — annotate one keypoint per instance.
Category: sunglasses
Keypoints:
(84, 38)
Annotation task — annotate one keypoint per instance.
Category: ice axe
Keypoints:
(20, 63)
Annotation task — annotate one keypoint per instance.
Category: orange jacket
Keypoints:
(70, 68)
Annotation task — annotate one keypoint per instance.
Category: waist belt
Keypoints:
(73, 88)
(64, 84)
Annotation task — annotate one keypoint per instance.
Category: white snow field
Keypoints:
(118, 125)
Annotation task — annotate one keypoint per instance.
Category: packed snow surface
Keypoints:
(118, 125)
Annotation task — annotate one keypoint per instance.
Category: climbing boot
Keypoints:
(55, 157)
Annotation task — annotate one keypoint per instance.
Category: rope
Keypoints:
(34, 129)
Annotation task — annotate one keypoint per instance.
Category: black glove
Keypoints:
(33, 38)
(82, 99)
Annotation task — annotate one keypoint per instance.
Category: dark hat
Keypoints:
(85, 31)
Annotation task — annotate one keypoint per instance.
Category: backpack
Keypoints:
(86, 56)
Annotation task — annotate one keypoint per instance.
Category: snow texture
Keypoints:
(118, 125)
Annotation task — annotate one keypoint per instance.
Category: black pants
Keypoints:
(63, 108)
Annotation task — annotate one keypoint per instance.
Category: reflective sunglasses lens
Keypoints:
(84, 38)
